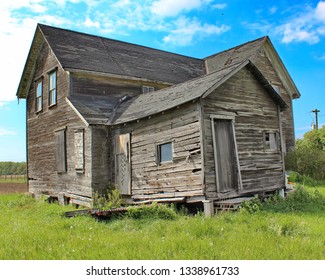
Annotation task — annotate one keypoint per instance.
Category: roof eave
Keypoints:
(29, 68)
(288, 81)
(111, 75)
(269, 88)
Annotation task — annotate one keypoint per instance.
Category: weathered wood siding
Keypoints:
(263, 63)
(182, 177)
(260, 56)
(41, 129)
(255, 112)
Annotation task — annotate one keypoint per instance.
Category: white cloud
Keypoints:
(293, 32)
(89, 23)
(219, 6)
(186, 30)
(320, 11)
(171, 8)
(301, 23)
(4, 131)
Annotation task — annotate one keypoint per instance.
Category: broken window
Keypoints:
(271, 141)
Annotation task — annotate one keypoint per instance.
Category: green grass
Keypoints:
(33, 229)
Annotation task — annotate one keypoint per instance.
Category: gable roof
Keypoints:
(82, 51)
(77, 51)
(250, 50)
(148, 104)
(234, 55)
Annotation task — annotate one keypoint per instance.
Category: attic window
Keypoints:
(165, 153)
(39, 96)
(146, 89)
(271, 141)
(52, 88)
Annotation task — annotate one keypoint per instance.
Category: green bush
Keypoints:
(299, 200)
(251, 206)
(153, 211)
(308, 158)
(112, 199)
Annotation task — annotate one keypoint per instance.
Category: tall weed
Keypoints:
(152, 212)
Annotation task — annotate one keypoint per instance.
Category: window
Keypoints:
(146, 89)
(271, 141)
(60, 151)
(165, 153)
(52, 88)
(39, 96)
(79, 150)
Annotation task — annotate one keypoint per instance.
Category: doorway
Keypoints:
(123, 164)
(225, 155)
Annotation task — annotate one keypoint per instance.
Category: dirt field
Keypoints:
(13, 188)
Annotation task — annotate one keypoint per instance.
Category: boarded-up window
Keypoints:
(271, 141)
(79, 150)
(60, 153)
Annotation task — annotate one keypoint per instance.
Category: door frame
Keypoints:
(118, 151)
(214, 118)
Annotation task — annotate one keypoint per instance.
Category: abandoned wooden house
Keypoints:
(157, 125)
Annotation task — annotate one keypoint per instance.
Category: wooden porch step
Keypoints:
(231, 204)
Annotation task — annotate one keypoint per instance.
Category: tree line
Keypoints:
(13, 168)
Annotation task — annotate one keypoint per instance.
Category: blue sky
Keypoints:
(196, 28)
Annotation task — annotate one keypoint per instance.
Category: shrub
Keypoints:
(251, 206)
(153, 211)
(299, 200)
(112, 199)
(309, 156)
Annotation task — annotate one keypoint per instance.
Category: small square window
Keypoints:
(271, 141)
(146, 89)
(39, 96)
(165, 153)
(52, 88)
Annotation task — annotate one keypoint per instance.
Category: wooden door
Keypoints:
(123, 163)
(225, 156)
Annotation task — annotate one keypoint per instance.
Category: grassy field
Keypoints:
(291, 229)
(18, 179)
